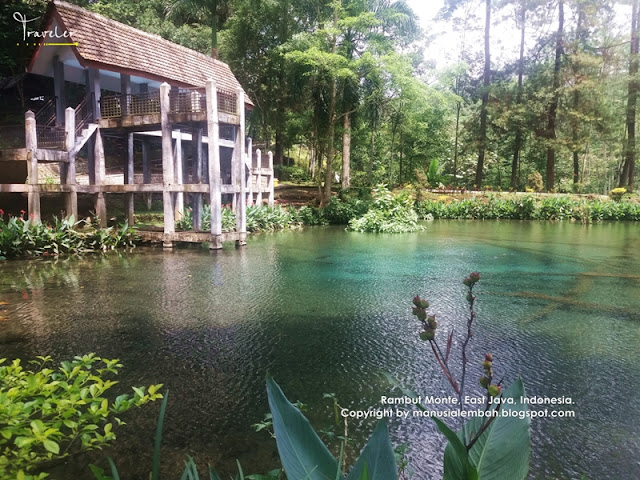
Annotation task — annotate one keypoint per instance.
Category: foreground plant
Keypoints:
(47, 413)
(389, 214)
(495, 444)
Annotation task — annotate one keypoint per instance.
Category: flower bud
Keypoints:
(427, 335)
(487, 365)
(484, 381)
(421, 313)
(494, 390)
(469, 297)
(467, 281)
(488, 357)
(474, 277)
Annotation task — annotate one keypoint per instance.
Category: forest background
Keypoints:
(347, 91)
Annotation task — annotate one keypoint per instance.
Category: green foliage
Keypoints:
(341, 212)
(305, 457)
(261, 218)
(535, 182)
(433, 174)
(48, 413)
(228, 219)
(20, 237)
(293, 173)
(389, 214)
(617, 193)
(526, 207)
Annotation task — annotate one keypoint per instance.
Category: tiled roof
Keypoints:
(119, 47)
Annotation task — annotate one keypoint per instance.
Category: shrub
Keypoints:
(389, 214)
(535, 182)
(292, 173)
(617, 193)
(20, 237)
(48, 414)
(228, 219)
(341, 212)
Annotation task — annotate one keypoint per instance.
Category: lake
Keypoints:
(327, 311)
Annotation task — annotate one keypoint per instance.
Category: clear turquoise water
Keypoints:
(324, 310)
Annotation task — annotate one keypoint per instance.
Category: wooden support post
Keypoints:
(129, 179)
(177, 168)
(168, 176)
(125, 93)
(215, 182)
(259, 177)
(31, 140)
(249, 166)
(99, 175)
(196, 159)
(58, 88)
(68, 170)
(146, 170)
(91, 159)
(271, 193)
(241, 168)
(93, 80)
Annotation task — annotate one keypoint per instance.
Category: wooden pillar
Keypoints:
(146, 170)
(259, 177)
(249, 168)
(196, 140)
(31, 142)
(129, 180)
(68, 169)
(58, 88)
(177, 168)
(125, 93)
(99, 175)
(168, 176)
(215, 183)
(93, 80)
(271, 193)
(240, 167)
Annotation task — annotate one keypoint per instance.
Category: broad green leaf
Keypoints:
(377, 457)
(51, 446)
(114, 470)
(456, 463)
(303, 455)
(503, 451)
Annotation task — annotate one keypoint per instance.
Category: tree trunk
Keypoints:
(214, 28)
(372, 152)
(553, 106)
(518, 140)
(485, 94)
(455, 147)
(627, 177)
(346, 153)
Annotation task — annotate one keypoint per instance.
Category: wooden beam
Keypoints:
(146, 168)
(129, 179)
(258, 171)
(215, 182)
(99, 175)
(68, 169)
(177, 165)
(196, 159)
(31, 142)
(241, 168)
(270, 184)
(58, 88)
(125, 93)
(168, 176)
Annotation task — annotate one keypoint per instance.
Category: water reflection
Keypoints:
(326, 311)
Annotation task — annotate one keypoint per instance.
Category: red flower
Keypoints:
(22, 212)
(1, 212)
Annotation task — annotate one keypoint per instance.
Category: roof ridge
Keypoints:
(153, 36)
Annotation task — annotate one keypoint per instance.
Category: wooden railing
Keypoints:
(84, 113)
(50, 138)
(136, 104)
(187, 100)
(46, 115)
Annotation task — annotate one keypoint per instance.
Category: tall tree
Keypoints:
(486, 83)
(627, 177)
(552, 111)
(215, 12)
(517, 146)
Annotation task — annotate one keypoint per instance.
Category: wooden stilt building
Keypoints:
(138, 86)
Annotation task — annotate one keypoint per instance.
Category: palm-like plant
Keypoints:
(212, 12)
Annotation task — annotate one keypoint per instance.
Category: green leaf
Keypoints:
(213, 475)
(51, 446)
(377, 457)
(456, 463)
(155, 472)
(114, 470)
(303, 455)
(503, 450)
